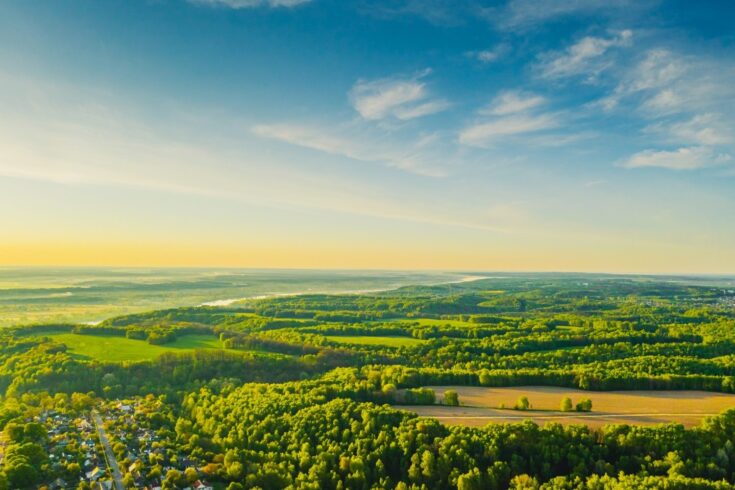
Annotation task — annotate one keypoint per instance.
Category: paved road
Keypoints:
(109, 455)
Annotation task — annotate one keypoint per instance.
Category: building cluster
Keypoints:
(74, 451)
(145, 453)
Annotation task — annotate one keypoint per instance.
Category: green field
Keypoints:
(116, 349)
(433, 322)
(374, 340)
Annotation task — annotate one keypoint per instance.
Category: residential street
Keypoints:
(109, 455)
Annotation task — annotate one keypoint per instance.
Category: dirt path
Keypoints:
(109, 455)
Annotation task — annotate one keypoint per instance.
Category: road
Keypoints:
(109, 455)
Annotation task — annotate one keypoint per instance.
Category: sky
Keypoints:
(532, 135)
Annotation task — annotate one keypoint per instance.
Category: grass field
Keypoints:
(428, 322)
(482, 406)
(116, 349)
(375, 340)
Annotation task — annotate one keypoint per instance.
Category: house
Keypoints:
(200, 485)
(58, 483)
(95, 474)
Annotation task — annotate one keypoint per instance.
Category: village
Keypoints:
(129, 449)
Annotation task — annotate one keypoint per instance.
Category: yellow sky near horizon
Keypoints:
(400, 256)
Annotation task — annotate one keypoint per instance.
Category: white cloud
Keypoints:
(664, 101)
(486, 134)
(687, 158)
(659, 68)
(585, 57)
(511, 102)
(244, 4)
(490, 55)
(419, 156)
(682, 96)
(669, 82)
(704, 129)
(391, 97)
(424, 109)
(519, 14)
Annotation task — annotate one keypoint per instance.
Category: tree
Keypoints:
(523, 403)
(584, 405)
(485, 379)
(73, 469)
(174, 477)
(523, 482)
(14, 431)
(427, 465)
(389, 389)
(451, 398)
(566, 404)
(191, 474)
(471, 480)
(20, 474)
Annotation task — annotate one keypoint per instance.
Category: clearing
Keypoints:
(375, 340)
(481, 406)
(116, 349)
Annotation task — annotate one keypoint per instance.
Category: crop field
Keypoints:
(117, 349)
(375, 340)
(481, 406)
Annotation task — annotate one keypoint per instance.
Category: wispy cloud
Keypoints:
(655, 75)
(584, 58)
(487, 134)
(246, 4)
(511, 102)
(400, 98)
(490, 55)
(704, 129)
(438, 12)
(510, 113)
(681, 98)
(687, 158)
(523, 14)
(417, 156)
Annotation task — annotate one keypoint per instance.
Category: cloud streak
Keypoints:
(490, 55)
(414, 156)
(687, 158)
(247, 4)
(512, 102)
(398, 98)
(585, 58)
(525, 14)
(488, 134)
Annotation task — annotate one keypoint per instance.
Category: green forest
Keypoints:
(307, 391)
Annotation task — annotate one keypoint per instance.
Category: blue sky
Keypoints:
(524, 135)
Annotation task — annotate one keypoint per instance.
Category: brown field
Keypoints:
(481, 406)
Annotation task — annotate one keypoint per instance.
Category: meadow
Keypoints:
(374, 340)
(118, 349)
